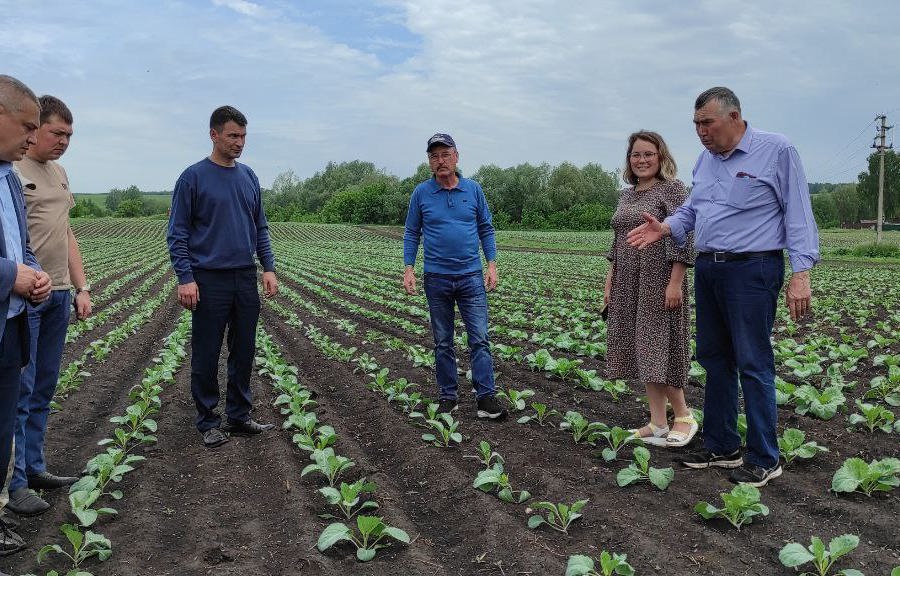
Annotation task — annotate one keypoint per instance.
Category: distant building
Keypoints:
(871, 224)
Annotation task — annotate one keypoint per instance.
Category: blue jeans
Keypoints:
(47, 323)
(444, 292)
(736, 303)
(227, 298)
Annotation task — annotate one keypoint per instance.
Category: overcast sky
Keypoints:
(530, 80)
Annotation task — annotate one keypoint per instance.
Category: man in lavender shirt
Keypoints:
(749, 202)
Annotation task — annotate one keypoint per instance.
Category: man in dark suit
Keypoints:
(21, 279)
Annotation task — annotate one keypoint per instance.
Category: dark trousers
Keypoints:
(227, 298)
(10, 374)
(444, 293)
(736, 303)
(48, 322)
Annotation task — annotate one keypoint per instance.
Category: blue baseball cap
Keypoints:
(442, 139)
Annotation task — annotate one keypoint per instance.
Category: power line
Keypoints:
(841, 169)
(833, 161)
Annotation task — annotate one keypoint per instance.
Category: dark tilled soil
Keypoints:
(244, 509)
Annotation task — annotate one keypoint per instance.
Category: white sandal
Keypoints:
(658, 437)
(677, 439)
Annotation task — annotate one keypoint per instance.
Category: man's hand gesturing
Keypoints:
(647, 233)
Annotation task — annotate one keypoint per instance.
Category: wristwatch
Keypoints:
(85, 288)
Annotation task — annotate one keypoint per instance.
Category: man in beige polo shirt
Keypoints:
(48, 200)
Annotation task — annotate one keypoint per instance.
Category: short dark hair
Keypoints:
(13, 91)
(226, 113)
(727, 99)
(53, 106)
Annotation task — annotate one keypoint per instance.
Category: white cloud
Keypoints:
(251, 9)
(534, 81)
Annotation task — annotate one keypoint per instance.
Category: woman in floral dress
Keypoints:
(649, 324)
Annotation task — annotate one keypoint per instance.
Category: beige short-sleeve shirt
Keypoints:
(48, 201)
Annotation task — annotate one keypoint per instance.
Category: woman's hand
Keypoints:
(674, 297)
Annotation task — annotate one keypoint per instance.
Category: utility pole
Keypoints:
(880, 146)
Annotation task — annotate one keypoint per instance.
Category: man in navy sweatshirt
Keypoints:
(216, 226)
(452, 215)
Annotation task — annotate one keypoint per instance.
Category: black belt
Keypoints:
(732, 256)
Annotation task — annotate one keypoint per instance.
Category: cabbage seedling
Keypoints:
(324, 438)
(640, 470)
(366, 363)
(82, 502)
(794, 554)
(616, 439)
(328, 464)
(489, 458)
(372, 530)
(347, 497)
(792, 444)
(823, 405)
(541, 414)
(515, 399)
(495, 480)
(857, 476)
(610, 564)
(558, 516)
(580, 427)
(445, 426)
(84, 546)
(873, 416)
(741, 505)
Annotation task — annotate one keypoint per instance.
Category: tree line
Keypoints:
(528, 196)
(524, 196)
(128, 202)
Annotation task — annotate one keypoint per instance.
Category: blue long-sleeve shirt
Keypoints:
(753, 200)
(217, 220)
(451, 223)
(16, 243)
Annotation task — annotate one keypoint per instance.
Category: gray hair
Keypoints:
(726, 98)
(13, 91)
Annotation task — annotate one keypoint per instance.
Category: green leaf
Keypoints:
(580, 564)
(628, 475)
(397, 533)
(661, 478)
(333, 534)
(536, 521)
(367, 524)
(842, 544)
(852, 572)
(707, 510)
(608, 454)
(365, 554)
(577, 505)
(794, 555)
(896, 571)
(853, 472)
(85, 484)
(642, 457)
(58, 549)
(332, 496)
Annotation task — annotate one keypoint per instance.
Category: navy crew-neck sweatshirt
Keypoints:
(217, 220)
(452, 223)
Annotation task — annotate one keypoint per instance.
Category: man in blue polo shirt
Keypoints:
(749, 202)
(452, 215)
(216, 227)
